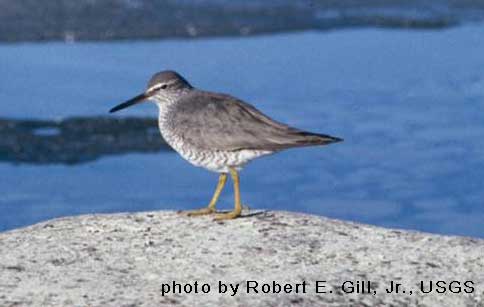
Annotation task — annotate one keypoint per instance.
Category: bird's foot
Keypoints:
(197, 212)
(227, 216)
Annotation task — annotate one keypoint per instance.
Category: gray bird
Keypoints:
(218, 132)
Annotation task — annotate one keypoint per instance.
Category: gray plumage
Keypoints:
(172, 79)
(212, 121)
(217, 131)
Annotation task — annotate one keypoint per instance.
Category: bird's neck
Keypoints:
(166, 102)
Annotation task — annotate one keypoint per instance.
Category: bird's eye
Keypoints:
(163, 86)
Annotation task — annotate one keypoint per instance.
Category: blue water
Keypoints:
(410, 106)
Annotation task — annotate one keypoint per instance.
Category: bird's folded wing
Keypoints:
(210, 121)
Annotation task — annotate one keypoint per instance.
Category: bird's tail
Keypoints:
(299, 139)
(310, 139)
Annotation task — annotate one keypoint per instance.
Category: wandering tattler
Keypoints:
(218, 132)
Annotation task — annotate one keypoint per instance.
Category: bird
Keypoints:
(218, 132)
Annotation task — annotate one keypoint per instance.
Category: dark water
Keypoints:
(408, 104)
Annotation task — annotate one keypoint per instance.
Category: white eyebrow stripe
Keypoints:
(159, 85)
(154, 87)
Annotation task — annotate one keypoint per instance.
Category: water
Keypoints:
(408, 104)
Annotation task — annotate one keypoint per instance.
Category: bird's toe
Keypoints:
(227, 216)
(198, 212)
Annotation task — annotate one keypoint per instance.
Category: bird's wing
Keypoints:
(213, 121)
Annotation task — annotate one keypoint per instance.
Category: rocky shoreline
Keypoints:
(68, 20)
(163, 258)
(76, 140)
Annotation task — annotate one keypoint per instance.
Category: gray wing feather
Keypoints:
(213, 121)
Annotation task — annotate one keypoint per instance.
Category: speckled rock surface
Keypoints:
(125, 260)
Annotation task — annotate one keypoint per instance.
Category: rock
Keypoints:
(130, 259)
(80, 20)
(76, 140)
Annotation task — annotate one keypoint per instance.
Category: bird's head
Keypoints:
(162, 87)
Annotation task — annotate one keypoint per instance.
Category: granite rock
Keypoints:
(130, 259)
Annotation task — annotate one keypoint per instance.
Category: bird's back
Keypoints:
(219, 122)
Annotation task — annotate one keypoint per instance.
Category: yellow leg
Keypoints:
(211, 206)
(238, 206)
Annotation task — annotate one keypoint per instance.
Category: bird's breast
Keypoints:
(214, 160)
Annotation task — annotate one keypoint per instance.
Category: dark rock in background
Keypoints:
(76, 140)
(70, 20)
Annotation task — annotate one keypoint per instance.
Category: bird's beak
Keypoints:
(135, 100)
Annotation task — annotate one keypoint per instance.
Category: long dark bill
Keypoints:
(132, 101)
